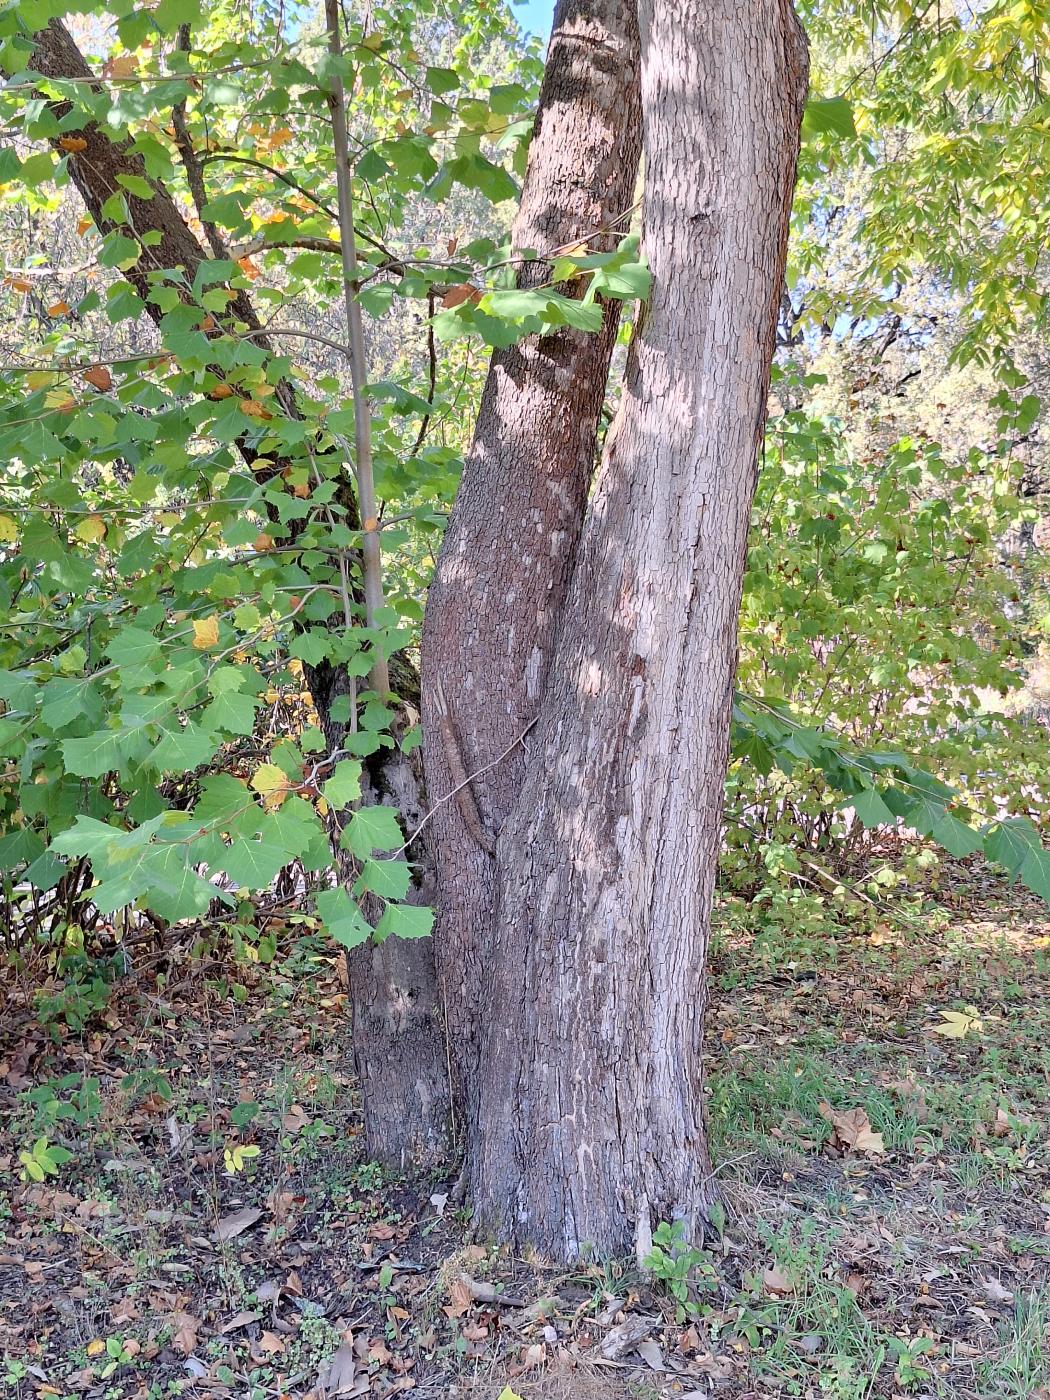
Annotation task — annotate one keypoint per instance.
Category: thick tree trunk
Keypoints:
(496, 599)
(399, 1043)
(591, 1096)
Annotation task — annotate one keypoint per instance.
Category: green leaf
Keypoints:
(344, 786)
(828, 115)
(388, 878)
(231, 712)
(94, 756)
(955, 836)
(132, 647)
(406, 921)
(372, 829)
(870, 808)
(252, 864)
(182, 750)
(1010, 843)
(342, 918)
(442, 80)
(1035, 871)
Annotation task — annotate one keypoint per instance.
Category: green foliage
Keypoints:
(679, 1267)
(178, 542)
(875, 627)
(179, 537)
(43, 1159)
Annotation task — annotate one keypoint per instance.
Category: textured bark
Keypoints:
(496, 598)
(399, 1043)
(591, 1098)
(399, 1031)
(94, 171)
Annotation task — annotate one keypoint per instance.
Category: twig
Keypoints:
(469, 779)
(371, 552)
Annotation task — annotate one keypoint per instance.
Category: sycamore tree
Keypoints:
(258, 260)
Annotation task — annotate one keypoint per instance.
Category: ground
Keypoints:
(215, 1230)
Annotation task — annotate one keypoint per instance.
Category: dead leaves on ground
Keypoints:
(851, 1131)
(234, 1224)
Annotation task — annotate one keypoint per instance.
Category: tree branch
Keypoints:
(371, 553)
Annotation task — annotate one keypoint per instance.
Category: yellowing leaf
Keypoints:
(205, 632)
(8, 529)
(58, 308)
(272, 785)
(254, 409)
(61, 400)
(91, 530)
(263, 542)
(19, 284)
(958, 1024)
(72, 143)
(84, 223)
(96, 1347)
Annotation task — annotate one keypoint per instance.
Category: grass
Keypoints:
(919, 1270)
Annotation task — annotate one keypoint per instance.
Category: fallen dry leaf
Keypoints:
(239, 1320)
(230, 1226)
(459, 1297)
(626, 1337)
(851, 1131)
(956, 1025)
(342, 1370)
(184, 1332)
(651, 1355)
(777, 1282)
(994, 1291)
(296, 1118)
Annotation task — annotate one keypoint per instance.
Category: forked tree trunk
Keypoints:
(496, 599)
(399, 1043)
(591, 1095)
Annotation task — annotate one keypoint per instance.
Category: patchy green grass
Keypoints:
(911, 1262)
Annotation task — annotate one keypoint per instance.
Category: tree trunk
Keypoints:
(496, 599)
(399, 1043)
(399, 1027)
(591, 1123)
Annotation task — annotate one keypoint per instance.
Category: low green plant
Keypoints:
(680, 1267)
(910, 1371)
(43, 1159)
(84, 993)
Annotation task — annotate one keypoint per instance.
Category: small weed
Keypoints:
(680, 1268)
